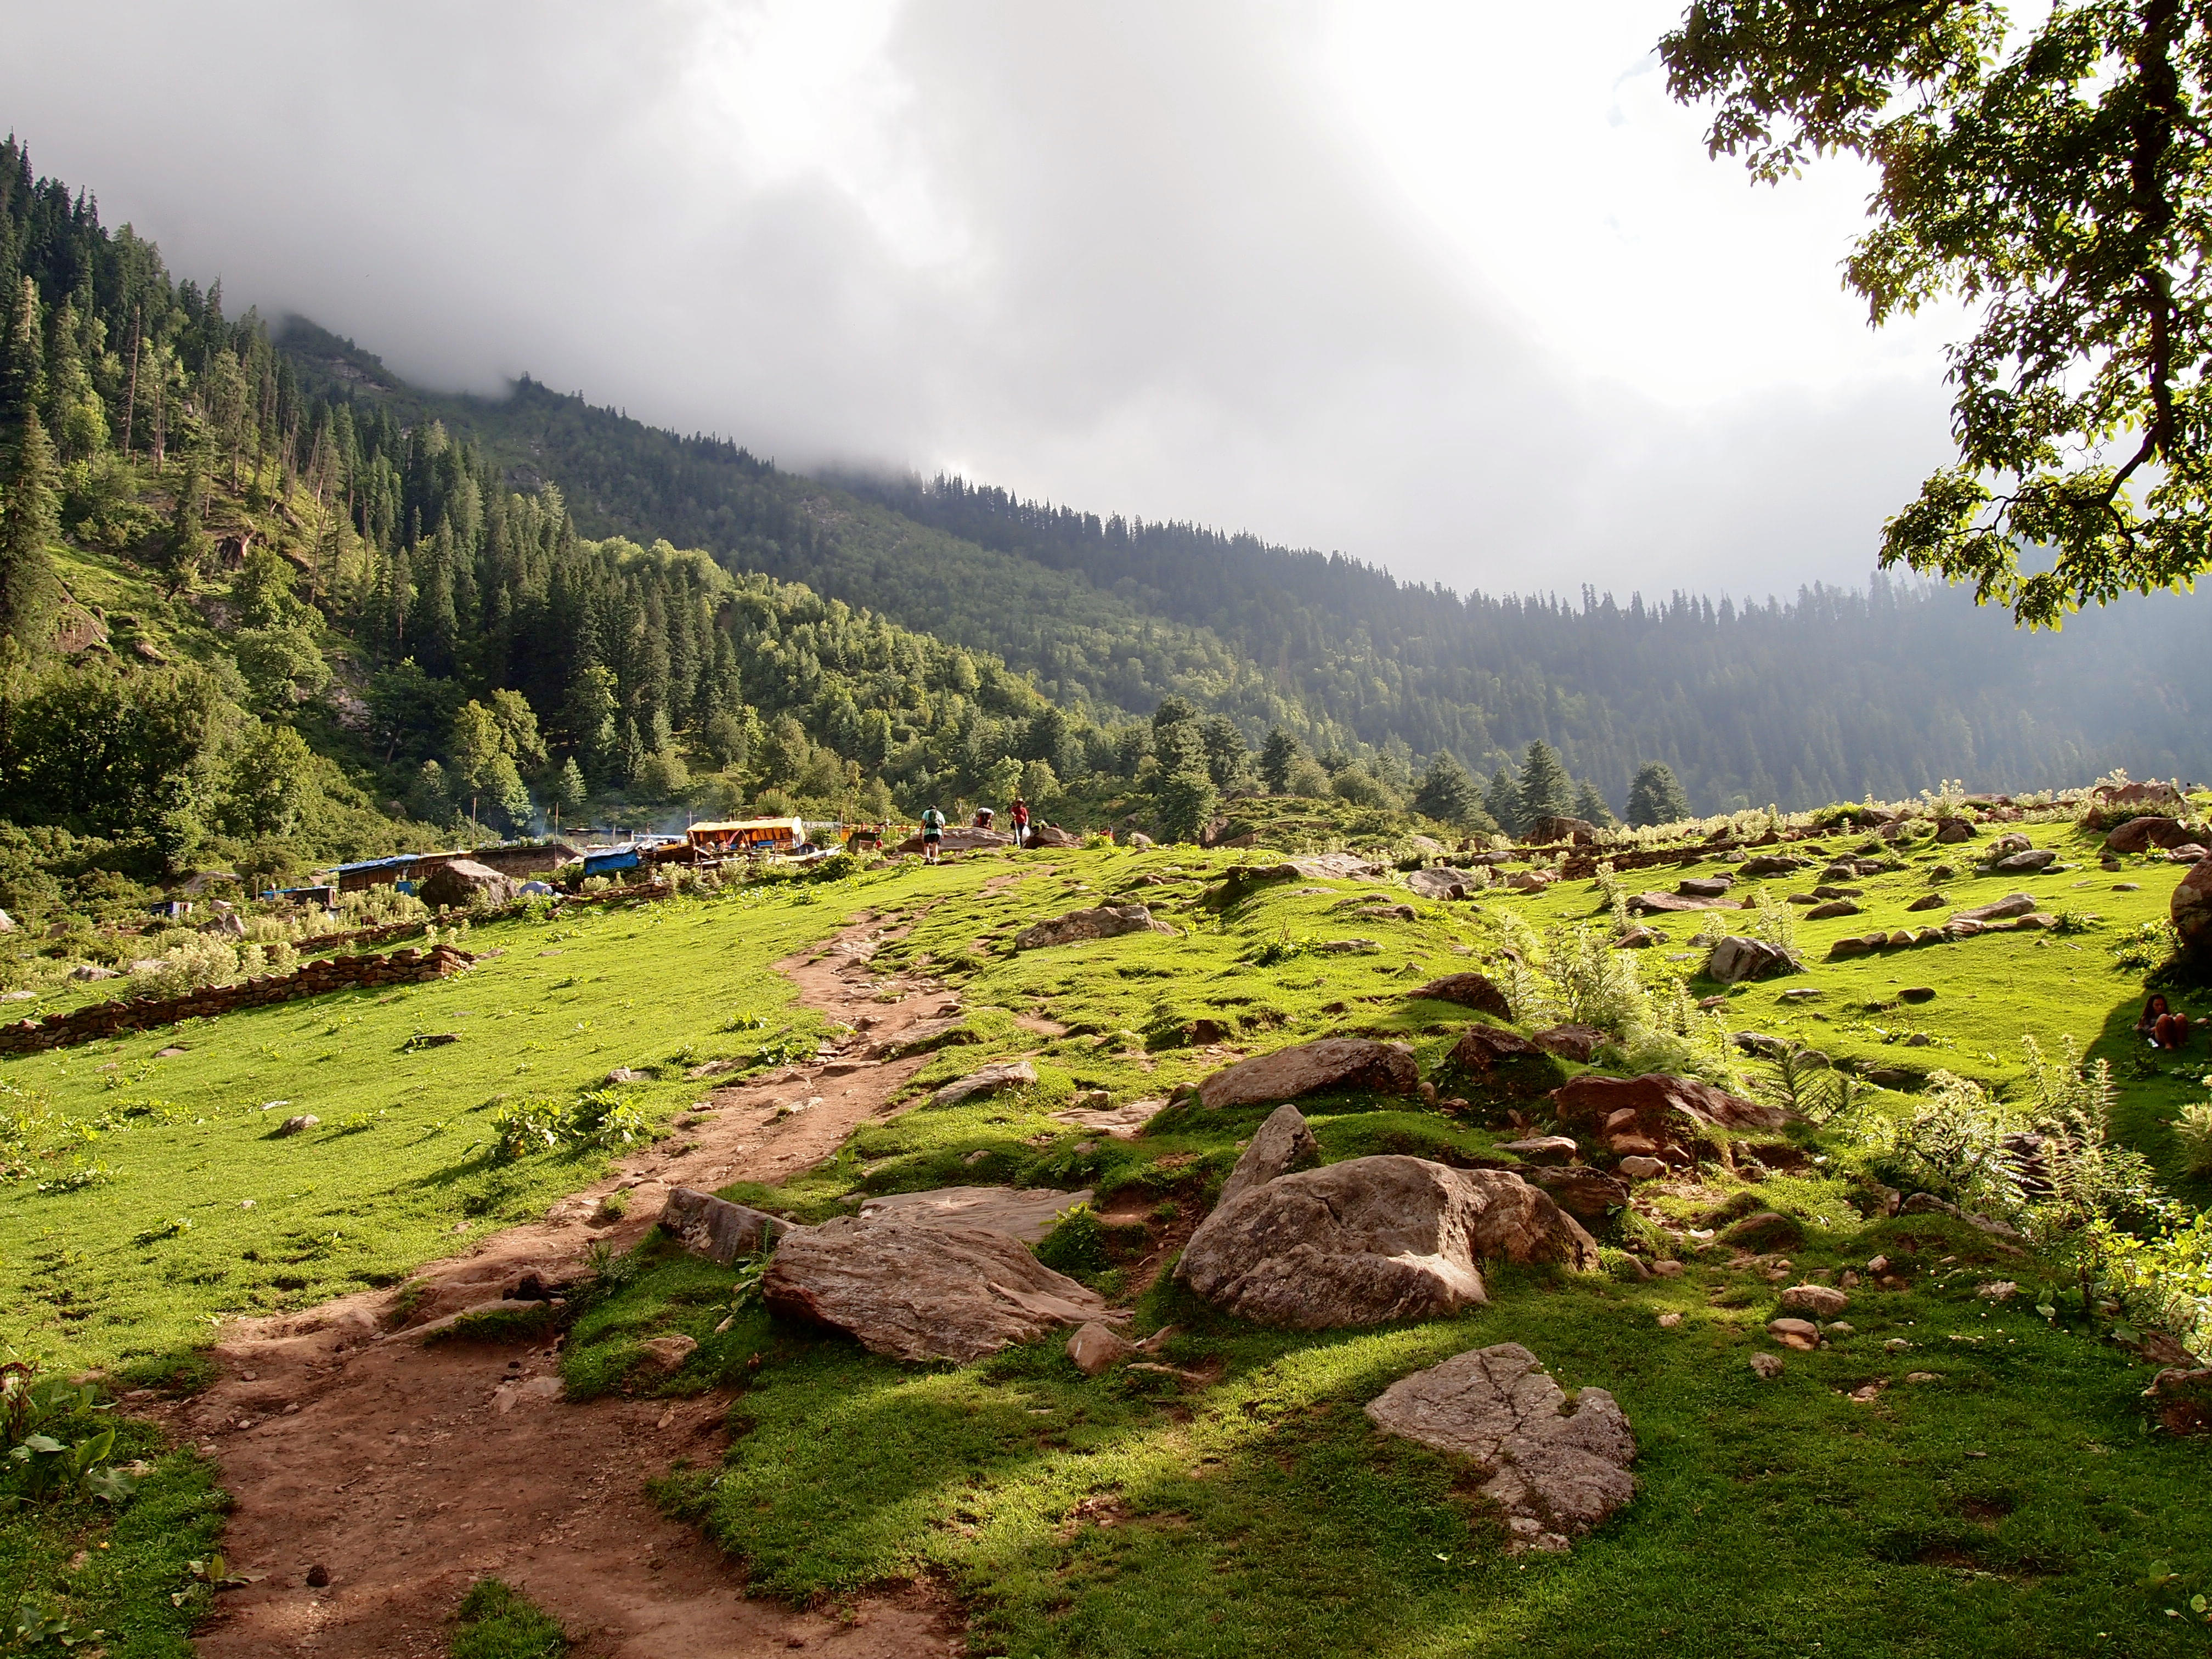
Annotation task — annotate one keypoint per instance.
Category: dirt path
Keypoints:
(404, 1470)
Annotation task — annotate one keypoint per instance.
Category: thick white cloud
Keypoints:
(1451, 288)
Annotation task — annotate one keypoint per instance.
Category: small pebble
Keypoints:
(1669, 1321)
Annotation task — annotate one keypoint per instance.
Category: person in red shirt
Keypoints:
(1021, 817)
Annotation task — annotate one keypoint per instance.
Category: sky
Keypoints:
(1453, 288)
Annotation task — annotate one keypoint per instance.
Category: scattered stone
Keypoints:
(1282, 1144)
(2001, 1289)
(1917, 993)
(2141, 835)
(1587, 1194)
(1349, 947)
(1026, 1213)
(299, 1125)
(1922, 1376)
(1095, 1349)
(1831, 909)
(1896, 1345)
(988, 1080)
(1704, 886)
(1594, 1105)
(1928, 902)
(1838, 1327)
(715, 1228)
(1474, 991)
(625, 1075)
(319, 1576)
(1441, 881)
(1735, 959)
(1819, 1300)
(1541, 1149)
(1636, 1167)
(1575, 1043)
(2012, 904)
(668, 1353)
(1766, 1366)
(92, 970)
(1530, 881)
(918, 1290)
(1107, 921)
(1495, 1060)
(1373, 1239)
(1550, 832)
(1828, 892)
(170, 1054)
(2028, 863)
(1305, 1068)
(1950, 831)
(1637, 938)
(1645, 903)
(1668, 1321)
(1804, 994)
(1556, 1470)
(1800, 1333)
(1772, 864)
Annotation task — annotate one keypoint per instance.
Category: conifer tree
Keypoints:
(29, 522)
(22, 357)
(1277, 756)
(1445, 792)
(1590, 807)
(1501, 798)
(1655, 797)
(1546, 791)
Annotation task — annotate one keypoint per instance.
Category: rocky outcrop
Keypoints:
(1330, 1064)
(2191, 910)
(1491, 1059)
(1107, 921)
(963, 838)
(1283, 1144)
(1550, 832)
(1557, 1470)
(918, 1290)
(1372, 1239)
(1441, 882)
(1474, 991)
(715, 1228)
(1641, 1114)
(464, 884)
(1735, 959)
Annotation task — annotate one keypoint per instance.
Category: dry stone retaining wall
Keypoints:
(312, 979)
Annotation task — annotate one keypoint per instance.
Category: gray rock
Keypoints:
(1831, 909)
(1557, 1470)
(715, 1228)
(623, 1075)
(1107, 921)
(463, 883)
(2191, 909)
(92, 970)
(1541, 1149)
(1821, 1301)
(1283, 1144)
(1704, 886)
(1766, 1366)
(1440, 882)
(1305, 1068)
(986, 1081)
(2012, 904)
(916, 1290)
(1372, 1239)
(1025, 1212)
(1636, 1167)
(1928, 902)
(1095, 1349)
(299, 1125)
(1735, 959)
(1585, 1194)
(2026, 863)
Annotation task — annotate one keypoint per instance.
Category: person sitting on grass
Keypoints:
(2165, 1028)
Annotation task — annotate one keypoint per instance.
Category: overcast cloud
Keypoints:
(1452, 288)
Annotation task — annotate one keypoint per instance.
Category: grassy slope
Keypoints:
(2014, 1506)
(399, 1170)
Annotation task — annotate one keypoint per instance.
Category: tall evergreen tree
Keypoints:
(1655, 797)
(1590, 807)
(1445, 792)
(29, 522)
(1501, 798)
(1278, 755)
(1546, 791)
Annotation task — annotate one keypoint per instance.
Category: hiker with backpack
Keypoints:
(932, 834)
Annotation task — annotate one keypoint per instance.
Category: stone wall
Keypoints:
(312, 979)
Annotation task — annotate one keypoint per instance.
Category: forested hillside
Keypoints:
(1830, 694)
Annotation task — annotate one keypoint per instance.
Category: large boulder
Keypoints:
(1474, 991)
(1585, 1194)
(1441, 882)
(2025, 863)
(1735, 959)
(1308, 1068)
(1372, 1239)
(2192, 911)
(1557, 1470)
(922, 1289)
(1107, 921)
(1613, 1109)
(1283, 1144)
(1575, 1043)
(715, 1228)
(1550, 832)
(994, 1079)
(463, 883)
(2141, 835)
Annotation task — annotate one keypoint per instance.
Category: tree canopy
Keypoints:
(2057, 174)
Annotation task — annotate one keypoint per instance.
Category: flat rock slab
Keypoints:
(1647, 903)
(2012, 904)
(1339, 866)
(1106, 921)
(1372, 1239)
(1123, 1122)
(1556, 1470)
(715, 1228)
(989, 1080)
(922, 1289)
(1028, 1213)
(1305, 1068)
(1441, 882)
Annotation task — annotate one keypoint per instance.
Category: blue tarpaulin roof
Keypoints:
(623, 859)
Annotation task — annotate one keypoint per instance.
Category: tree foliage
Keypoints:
(2054, 171)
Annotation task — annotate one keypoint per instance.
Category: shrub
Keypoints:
(2194, 1131)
